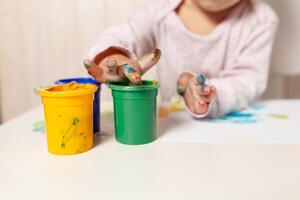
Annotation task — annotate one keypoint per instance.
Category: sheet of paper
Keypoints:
(267, 122)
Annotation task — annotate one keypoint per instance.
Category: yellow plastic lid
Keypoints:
(66, 90)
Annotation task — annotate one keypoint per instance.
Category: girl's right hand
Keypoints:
(197, 95)
(118, 67)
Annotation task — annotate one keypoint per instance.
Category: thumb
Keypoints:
(149, 60)
(94, 70)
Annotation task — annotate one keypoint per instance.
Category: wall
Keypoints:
(44, 40)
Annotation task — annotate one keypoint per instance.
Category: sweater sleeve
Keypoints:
(134, 37)
(246, 77)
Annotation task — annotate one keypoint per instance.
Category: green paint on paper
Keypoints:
(39, 127)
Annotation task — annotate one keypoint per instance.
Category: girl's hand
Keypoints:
(118, 67)
(196, 94)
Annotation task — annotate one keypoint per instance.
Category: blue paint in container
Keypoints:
(96, 114)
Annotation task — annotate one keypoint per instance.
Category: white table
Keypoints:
(173, 167)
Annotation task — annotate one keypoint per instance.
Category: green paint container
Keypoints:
(135, 112)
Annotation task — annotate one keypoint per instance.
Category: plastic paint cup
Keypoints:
(68, 114)
(96, 112)
(135, 112)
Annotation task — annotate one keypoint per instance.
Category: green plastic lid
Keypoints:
(146, 85)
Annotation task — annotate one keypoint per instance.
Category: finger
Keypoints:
(189, 100)
(195, 95)
(203, 107)
(202, 100)
(204, 90)
(111, 68)
(210, 96)
(132, 74)
(195, 90)
(94, 70)
(149, 60)
(183, 81)
(201, 79)
(111, 64)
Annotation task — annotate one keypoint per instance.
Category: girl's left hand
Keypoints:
(117, 67)
(196, 94)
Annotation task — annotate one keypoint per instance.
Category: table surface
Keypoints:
(201, 164)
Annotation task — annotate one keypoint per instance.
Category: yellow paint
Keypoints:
(174, 105)
(155, 82)
(68, 111)
(279, 116)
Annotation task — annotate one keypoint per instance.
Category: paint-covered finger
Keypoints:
(210, 96)
(195, 90)
(183, 81)
(94, 70)
(204, 90)
(111, 64)
(196, 97)
(201, 79)
(132, 74)
(189, 100)
(149, 60)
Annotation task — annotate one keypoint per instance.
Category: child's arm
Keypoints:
(113, 57)
(244, 79)
(133, 38)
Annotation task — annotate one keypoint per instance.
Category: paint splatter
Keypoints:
(107, 114)
(132, 74)
(166, 108)
(128, 69)
(154, 82)
(238, 118)
(75, 121)
(278, 116)
(257, 106)
(70, 132)
(39, 127)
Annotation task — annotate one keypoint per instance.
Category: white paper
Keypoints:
(272, 122)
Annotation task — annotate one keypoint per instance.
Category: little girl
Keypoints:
(229, 41)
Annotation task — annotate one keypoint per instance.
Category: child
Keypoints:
(230, 41)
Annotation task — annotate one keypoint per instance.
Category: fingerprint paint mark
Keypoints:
(257, 106)
(238, 118)
(278, 116)
(39, 127)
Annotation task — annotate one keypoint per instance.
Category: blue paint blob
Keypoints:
(238, 118)
(257, 106)
(128, 68)
(237, 115)
(201, 79)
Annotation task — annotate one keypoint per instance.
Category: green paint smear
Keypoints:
(39, 127)
(70, 132)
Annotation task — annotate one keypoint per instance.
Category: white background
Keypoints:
(42, 40)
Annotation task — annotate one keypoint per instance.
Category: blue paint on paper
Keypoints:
(242, 117)
(257, 106)
(238, 118)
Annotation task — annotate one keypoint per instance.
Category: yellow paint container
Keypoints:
(68, 111)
